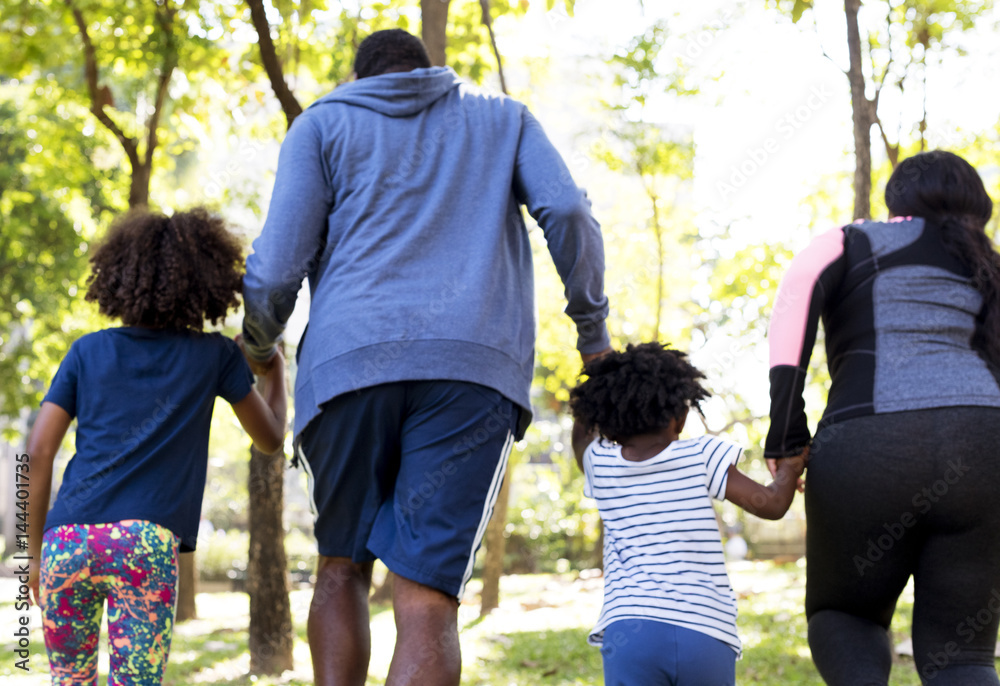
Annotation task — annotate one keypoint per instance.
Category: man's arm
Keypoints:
(543, 183)
(290, 242)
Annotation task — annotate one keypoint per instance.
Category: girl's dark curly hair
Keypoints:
(636, 391)
(167, 272)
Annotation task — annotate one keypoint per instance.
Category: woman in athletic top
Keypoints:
(906, 460)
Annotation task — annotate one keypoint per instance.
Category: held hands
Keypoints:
(790, 468)
(256, 366)
(587, 357)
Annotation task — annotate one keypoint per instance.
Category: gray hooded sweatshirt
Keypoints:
(398, 197)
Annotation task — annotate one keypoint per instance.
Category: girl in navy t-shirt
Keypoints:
(142, 396)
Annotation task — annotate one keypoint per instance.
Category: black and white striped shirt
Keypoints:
(663, 557)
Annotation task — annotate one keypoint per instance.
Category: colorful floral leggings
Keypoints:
(132, 564)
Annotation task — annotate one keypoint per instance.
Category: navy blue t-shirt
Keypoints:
(143, 401)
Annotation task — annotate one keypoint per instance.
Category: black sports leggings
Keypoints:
(894, 495)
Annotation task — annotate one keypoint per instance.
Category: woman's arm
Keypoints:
(263, 413)
(771, 501)
(814, 273)
(46, 436)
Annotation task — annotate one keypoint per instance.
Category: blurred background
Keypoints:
(714, 138)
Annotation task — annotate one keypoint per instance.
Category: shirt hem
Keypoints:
(423, 360)
(596, 636)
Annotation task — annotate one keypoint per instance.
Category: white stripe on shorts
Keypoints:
(491, 500)
(311, 481)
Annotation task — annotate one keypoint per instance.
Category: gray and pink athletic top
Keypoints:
(899, 313)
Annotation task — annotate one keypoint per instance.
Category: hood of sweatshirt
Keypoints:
(400, 94)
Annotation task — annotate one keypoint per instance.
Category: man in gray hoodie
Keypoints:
(399, 197)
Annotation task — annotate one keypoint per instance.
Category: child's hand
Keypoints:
(792, 468)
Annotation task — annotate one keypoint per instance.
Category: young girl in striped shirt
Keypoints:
(669, 614)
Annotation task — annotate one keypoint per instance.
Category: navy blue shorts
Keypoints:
(648, 652)
(408, 473)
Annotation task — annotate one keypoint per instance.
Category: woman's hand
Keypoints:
(798, 464)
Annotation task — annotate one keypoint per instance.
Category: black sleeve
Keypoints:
(815, 272)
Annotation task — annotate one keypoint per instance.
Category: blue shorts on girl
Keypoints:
(663, 556)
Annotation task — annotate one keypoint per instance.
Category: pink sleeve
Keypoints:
(790, 316)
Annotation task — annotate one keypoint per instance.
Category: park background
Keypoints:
(714, 138)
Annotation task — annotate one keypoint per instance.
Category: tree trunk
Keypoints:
(658, 231)
(434, 28)
(138, 193)
(496, 546)
(267, 568)
(861, 107)
(187, 587)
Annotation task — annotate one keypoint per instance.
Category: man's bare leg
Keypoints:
(339, 635)
(427, 652)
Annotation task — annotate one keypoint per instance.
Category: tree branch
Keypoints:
(272, 65)
(165, 19)
(888, 65)
(891, 150)
(99, 96)
(724, 429)
(822, 48)
(488, 21)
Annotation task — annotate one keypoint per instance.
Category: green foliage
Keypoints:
(794, 8)
(637, 144)
(550, 526)
(221, 553)
(48, 194)
(550, 5)
(556, 657)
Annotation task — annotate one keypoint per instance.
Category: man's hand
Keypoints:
(256, 366)
(593, 356)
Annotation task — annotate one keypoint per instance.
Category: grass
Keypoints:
(538, 636)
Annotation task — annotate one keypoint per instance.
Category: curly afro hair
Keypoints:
(167, 272)
(636, 391)
(388, 51)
